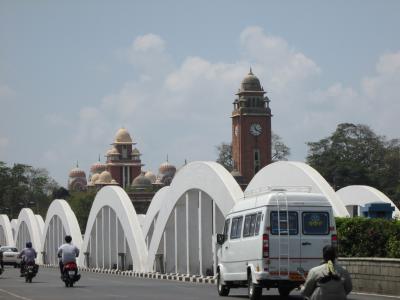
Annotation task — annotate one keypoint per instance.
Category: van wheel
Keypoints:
(254, 290)
(223, 290)
(284, 291)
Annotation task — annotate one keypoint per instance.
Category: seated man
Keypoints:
(328, 281)
(67, 253)
(27, 255)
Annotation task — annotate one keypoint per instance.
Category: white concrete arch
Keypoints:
(113, 237)
(290, 173)
(192, 210)
(60, 221)
(6, 236)
(14, 223)
(28, 231)
(152, 213)
(360, 195)
(40, 223)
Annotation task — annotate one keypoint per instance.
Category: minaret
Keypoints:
(251, 129)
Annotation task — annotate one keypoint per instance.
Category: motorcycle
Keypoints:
(30, 271)
(70, 274)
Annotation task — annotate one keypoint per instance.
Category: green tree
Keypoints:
(354, 154)
(81, 203)
(24, 186)
(225, 156)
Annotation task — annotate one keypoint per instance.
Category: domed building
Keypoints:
(77, 179)
(151, 176)
(166, 173)
(123, 161)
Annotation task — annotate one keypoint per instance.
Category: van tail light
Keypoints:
(334, 240)
(265, 246)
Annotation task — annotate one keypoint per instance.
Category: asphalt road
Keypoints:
(48, 285)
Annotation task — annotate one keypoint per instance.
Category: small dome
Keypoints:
(166, 168)
(151, 176)
(114, 182)
(135, 151)
(113, 151)
(122, 137)
(77, 172)
(98, 167)
(104, 178)
(141, 181)
(94, 178)
(250, 83)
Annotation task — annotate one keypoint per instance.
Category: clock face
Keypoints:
(255, 129)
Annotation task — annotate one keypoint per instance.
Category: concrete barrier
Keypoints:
(374, 275)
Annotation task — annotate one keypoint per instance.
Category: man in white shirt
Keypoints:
(67, 253)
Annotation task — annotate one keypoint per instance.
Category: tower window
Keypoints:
(124, 152)
(257, 160)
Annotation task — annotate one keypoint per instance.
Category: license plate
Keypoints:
(71, 273)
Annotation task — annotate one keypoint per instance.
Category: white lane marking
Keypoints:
(377, 295)
(14, 295)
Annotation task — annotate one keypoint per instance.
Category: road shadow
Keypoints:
(267, 297)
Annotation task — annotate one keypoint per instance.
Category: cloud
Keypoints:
(148, 56)
(183, 109)
(6, 93)
(169, 107)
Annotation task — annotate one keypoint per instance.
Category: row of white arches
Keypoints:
(177, 235)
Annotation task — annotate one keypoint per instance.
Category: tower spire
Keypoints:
(251, 72)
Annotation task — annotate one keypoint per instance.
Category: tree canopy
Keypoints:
(356, 155)
(24, 186)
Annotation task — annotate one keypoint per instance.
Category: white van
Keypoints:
(272, 240)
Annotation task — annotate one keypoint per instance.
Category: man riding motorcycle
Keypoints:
(67, 252)
(27, 256)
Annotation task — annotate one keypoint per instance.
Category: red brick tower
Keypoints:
(123, 161)
(251, 129)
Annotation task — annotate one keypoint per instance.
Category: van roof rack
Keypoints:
(270, 189)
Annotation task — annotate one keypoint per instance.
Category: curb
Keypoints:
(151, 275)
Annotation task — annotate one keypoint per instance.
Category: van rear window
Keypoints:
(315, 223)
(293, 223)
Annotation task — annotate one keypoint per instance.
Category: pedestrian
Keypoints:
(328, 281)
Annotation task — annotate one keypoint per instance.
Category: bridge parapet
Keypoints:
(374, 275)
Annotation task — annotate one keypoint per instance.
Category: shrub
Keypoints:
(364, 237)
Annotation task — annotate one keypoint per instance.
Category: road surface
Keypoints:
(48, 286)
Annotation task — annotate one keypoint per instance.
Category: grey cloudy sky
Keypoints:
(73, 72)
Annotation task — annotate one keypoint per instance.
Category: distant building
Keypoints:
(77, 179)
(123, 167)
(251, 130)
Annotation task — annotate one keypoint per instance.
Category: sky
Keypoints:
(73, 72)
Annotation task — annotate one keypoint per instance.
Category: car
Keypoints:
(272, 240)
(10, 256)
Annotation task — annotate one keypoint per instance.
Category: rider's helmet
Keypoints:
(68, 238)
(28, 245)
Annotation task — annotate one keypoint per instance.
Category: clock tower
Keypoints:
(251, 129)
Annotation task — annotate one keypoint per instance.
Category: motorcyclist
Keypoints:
(67, 253)
(27, 255)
